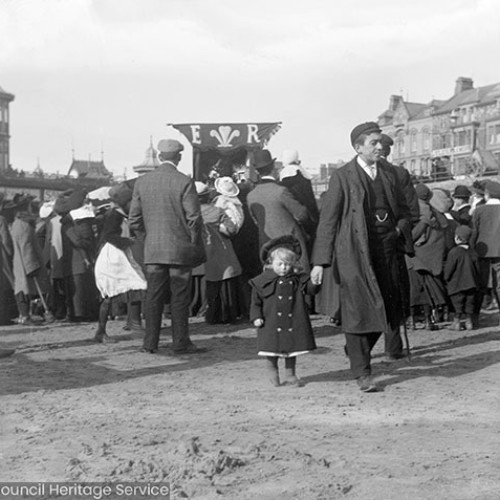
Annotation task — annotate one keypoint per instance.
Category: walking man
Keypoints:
(362, 216)
(166, 209)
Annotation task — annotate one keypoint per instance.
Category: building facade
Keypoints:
(457, 136)
(5, 100)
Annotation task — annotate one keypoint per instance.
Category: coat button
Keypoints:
(278, 329)
(280, 282)
(279, 314)
(290, 329)
(290, 297)
(280, 297)
(289, 315)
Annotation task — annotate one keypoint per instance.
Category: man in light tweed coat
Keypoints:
(165, 207)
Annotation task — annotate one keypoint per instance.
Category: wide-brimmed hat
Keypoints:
(478, 187)
(423, 192)
(262, 158)
(20, 201)
(69, 200)
(461, 192)
(226, 186)
(286, 241)
(441, 201)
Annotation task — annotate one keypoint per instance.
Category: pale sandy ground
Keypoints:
(210, 424)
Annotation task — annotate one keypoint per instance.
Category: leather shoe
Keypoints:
(366, 384)
(148, 351)
(396, 356)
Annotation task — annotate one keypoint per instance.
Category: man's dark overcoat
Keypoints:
(343, 231)
(276, 213)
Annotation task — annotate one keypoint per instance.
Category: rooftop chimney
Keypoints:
(394, 101)
(463, 83)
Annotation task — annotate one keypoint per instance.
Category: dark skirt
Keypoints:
(223, 301)
(82, 296)
(426, 289)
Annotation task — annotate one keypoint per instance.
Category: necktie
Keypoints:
(373, 171)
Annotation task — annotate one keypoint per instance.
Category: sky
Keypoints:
(106, 75)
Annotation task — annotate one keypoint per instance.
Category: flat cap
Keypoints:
(170, 146)
(461, 192)
(286, 241)
(492, 188)
(386, 141)
(463, 232)
(364, 128)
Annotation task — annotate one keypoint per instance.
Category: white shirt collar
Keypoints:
(493, 201)
(371, 170)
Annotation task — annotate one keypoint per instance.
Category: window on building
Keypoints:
(1, 114)
(494, 133)
(497, 157)
(412, 167)
(400, 145)
(413, 141)
(426, 139)
(463, 138)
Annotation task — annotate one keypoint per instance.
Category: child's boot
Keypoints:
(272, 370)
(455, 325)
(469, 324)
(290, 377)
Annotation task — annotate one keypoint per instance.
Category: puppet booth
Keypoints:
(223, 149)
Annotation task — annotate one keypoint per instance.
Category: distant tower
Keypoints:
(150, 161)
(5, 99)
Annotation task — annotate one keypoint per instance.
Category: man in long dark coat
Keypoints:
(165, 207)
(274, 209)
(362, 216)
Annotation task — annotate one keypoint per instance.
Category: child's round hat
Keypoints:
(285, 241)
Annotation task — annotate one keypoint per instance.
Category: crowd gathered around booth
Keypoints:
(248, 242)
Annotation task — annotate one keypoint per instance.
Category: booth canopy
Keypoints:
(227, 137)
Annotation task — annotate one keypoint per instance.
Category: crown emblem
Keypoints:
(224, 135)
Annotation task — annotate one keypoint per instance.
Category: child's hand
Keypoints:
(258, 322)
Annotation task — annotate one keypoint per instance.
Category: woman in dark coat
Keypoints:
(222, 267)
(425, 269)
(79, 248)
(8, 309)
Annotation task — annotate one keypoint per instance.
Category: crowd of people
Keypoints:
(375, 252)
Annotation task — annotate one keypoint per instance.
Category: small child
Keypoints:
(461, 276)
(278, 308)
(228, 200)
